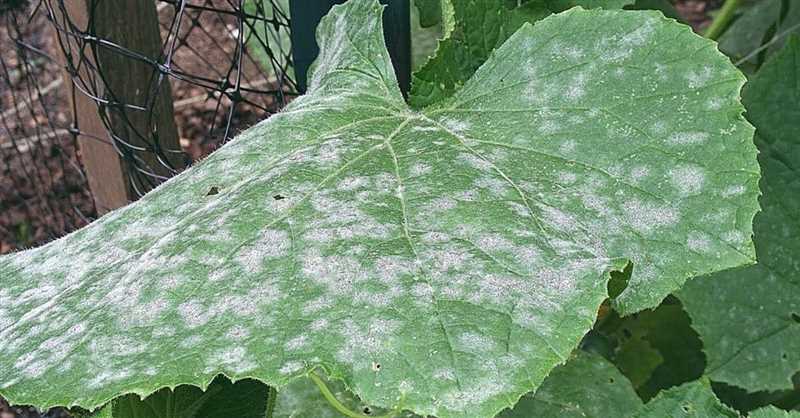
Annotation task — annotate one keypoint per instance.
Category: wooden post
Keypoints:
(121, 79)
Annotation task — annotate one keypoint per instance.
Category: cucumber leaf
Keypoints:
(444, 260)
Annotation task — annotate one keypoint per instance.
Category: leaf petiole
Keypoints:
(720, 23)
(336, 404)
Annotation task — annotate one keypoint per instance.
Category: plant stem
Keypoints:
(720, 23)
(329, 396)
(271, 395)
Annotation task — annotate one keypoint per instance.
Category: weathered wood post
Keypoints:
(93, 34)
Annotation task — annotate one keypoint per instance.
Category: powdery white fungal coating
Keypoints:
(688, 179)
(354, 235)
(688, 138)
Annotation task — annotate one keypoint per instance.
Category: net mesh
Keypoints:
(199, 72)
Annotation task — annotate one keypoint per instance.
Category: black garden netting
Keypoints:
(155, 85)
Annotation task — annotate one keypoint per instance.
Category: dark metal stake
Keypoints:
(306, 14)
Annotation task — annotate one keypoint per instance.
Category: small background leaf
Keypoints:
(587, 385)
(772, 412)
(243, 399)
(694, 399)
(656, 348)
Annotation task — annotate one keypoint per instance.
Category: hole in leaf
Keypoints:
(610, 380)
(784, 356)
(212, 191)
(367, 410)
(795, 317)
(376, 367)
(686, 408)
(278, 197)
(619, 281)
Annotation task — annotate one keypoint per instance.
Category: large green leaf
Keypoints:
(445, 259)
(749, 319)
(585, 386)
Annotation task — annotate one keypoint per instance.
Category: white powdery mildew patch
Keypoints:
(568, 146)
(193, 313)
(615, 48)
(687, 179)
(343, 219)
(735, 190)
(107, 377)
(191, 341)
(441, 204)
(296, 343)
(235, 359)
(638, 173)
(336, 274)
(567, 177)
(558, 219)
(475, 162)
(420, 169)
(456, 125)
(548, 126)
(701, 77)
(435, 237)
(271, 244)
(577, 88)
(419, 128)
(237, 333)
(143, 314)
(467, 195)
(31, 367)
(361, 344)
(353, 183)
(493, 383)
(319, 324)
(472, 342)
(698, 242)
(291, 367)
(688, 138)
(714, 103)
(648, 216)
(734, 237)
(492, 243)
(496, 186)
